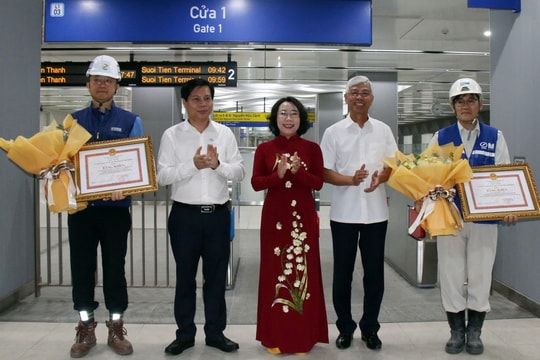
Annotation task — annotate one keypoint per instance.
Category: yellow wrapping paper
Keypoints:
(49, 155)
(431, 177)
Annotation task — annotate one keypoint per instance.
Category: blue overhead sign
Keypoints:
(345, 22)
(514, 5)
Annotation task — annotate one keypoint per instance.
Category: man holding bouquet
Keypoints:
(466, 260)
(353, 151)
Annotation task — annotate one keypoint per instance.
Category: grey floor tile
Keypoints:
(413, 322)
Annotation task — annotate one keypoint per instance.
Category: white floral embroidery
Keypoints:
(293, 277)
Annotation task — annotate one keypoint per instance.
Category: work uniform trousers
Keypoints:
(195, 235)
(370, 239)
(108, 227)
(465, 267)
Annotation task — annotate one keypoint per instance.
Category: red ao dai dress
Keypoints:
(291, 312)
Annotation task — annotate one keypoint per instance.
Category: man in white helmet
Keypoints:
(104, 222)
(468, 257)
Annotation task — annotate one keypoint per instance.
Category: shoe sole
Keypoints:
(224, 350)
(453, 351)
(169, 352)
(474, 351)
(78, 356)
(128, 352)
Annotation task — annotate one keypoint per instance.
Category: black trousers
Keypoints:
(198, 235)
(370, 239)
(107, 226)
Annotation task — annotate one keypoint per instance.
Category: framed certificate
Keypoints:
(105, 166)
(498, 190)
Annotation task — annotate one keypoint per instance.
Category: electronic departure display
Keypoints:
(220, 74)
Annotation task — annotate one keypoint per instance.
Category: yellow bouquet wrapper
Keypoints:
(49, 155)
(431, 177)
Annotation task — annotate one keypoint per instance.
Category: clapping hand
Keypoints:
(295, 163)
(208, 160)
(360, 175)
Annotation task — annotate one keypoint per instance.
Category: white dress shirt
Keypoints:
(175, 164)
(345, 147)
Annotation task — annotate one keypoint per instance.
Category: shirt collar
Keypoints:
(351, 122)
(211, 126)
(475, 129)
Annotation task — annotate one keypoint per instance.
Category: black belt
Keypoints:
(204, 209)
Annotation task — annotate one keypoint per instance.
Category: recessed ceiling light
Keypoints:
(487, 33)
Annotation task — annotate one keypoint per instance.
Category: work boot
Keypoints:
(84, 340)
(116, 339)
(474, 329)
(456, 343)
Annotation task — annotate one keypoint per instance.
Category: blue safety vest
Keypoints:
(114, 124)
(483, 152)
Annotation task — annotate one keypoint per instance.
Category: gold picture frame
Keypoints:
(495, 191)
(106, 166)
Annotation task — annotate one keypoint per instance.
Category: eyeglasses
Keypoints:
(469, 101)
(292, 114)
(363, 94)
(103, 81)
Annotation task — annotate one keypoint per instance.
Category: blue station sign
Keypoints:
(514, 5)
(340, 22)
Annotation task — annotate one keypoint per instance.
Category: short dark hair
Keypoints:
(188, 87)
(302, 112)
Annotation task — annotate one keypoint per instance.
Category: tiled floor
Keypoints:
(413, 325)
(503, 339)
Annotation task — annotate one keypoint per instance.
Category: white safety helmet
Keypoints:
(464, 86)
(106, 66)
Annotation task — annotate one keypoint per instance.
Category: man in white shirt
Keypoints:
(353, 151)
(197, 157)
